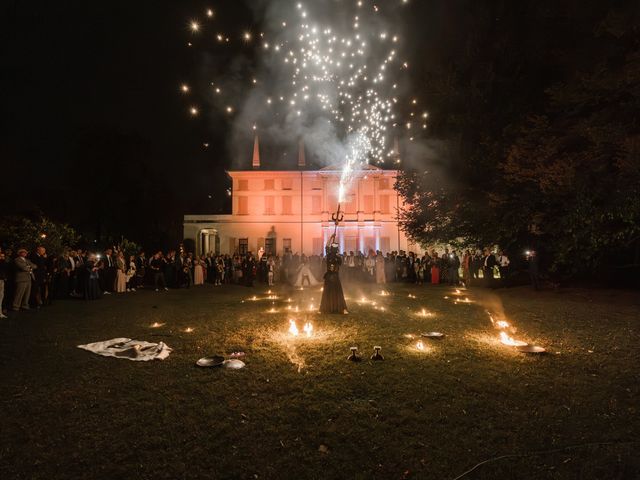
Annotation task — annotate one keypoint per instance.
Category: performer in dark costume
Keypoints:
(332, 296)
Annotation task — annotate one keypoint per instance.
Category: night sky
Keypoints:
(96, 133)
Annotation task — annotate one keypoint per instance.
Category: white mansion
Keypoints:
(291, 210)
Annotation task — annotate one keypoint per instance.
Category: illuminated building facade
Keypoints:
(280, 210)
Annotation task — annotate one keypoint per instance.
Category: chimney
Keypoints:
(301, 159)
(256, 153)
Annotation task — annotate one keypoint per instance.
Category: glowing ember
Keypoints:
(293, 328)
(384, 293)
(308, 329)
(311, 307)
(409, 335)
(268, 292)
(254, 298)
(188, 330)
(411, 296)
(272, 310)
(156, 325)
(507, 340)
(424, 313)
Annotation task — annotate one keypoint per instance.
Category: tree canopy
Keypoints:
(544, 152)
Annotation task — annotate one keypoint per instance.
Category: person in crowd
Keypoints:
(156, 265)
(108, 272)
(141, 269)
(534, 269)
(503, 267)
(41, 272)
(198, 272)
(63, 278)
(131, 274)
(4, 276)
(90, 278)
(23, 277)
(466, 268)
(248, 269)
(305, 276)
(435, 269)
(381, 276)
(454, 268)
(488, 262)
(121, 273)
(170, 273)
(271, 265)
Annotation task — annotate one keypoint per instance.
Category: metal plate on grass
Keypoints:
(531, 349)
(233, 364)
(434, 335)
(212, 361)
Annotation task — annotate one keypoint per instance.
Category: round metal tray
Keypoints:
(433, 335)
(234, 364)
(531, 349)
(212, 361)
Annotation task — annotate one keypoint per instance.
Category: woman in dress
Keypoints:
(380, 273)
(305, 276)
(435, 269)
(121, 274)
(131, 274)
(332, 295)
(198, 272)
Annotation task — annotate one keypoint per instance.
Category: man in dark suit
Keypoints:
(108, 272)
(40, 276)
(488, 262)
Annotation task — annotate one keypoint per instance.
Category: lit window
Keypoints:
(286, 205)
(269, 205)
(243, 205)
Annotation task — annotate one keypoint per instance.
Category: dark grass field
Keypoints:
(300, 410)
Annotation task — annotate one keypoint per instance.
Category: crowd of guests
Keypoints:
(35, 279)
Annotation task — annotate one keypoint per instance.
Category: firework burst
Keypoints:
(335, 65)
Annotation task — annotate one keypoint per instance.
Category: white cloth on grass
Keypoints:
(136, 350)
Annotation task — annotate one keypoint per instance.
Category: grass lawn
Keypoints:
(300, 410)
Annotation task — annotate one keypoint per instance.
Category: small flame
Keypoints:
(156, 325)
(384, 293)
(188, 330)
(293, 328)
(269, 292)
(507, 340)
(308, 329)
(272, 310)
(254, 298)
(311, 307)
(502, 324)
(420, 345)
